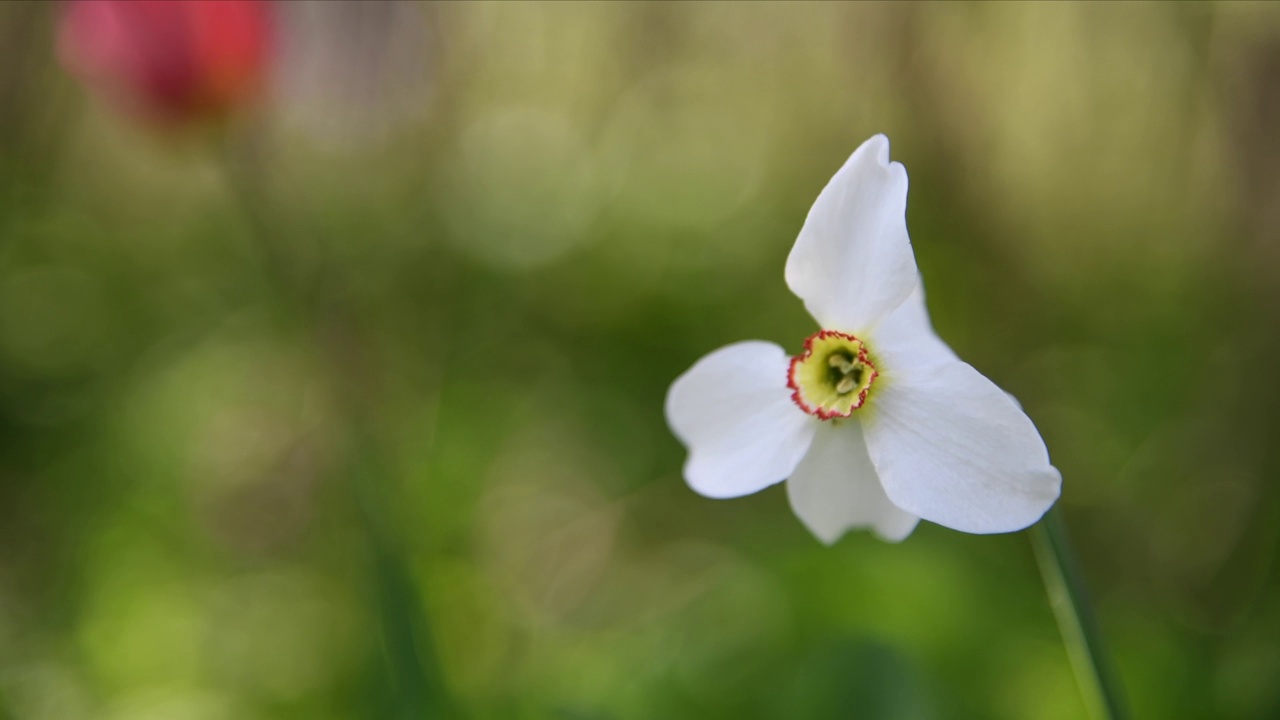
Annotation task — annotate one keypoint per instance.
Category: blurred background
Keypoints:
(334, 339)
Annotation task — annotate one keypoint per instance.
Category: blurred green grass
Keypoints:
(579, 202)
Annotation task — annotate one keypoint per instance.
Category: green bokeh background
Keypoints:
(352, 408)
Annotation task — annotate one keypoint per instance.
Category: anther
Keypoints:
(840, 361)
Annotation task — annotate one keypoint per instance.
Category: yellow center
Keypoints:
(831, 377)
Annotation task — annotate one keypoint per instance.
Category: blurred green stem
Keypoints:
(1076, 621)
(416, 680)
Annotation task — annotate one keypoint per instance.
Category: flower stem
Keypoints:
(1076, 620)
(416, 681)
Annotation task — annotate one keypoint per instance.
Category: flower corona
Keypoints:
(832, 376)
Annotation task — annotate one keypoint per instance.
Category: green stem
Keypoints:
(1076, 620)
(417, 683)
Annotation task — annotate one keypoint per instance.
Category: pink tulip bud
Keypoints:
(172, 61)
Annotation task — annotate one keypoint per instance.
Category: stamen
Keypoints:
(846, 385)
(840, 361)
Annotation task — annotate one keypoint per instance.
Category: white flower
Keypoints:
(876, 423)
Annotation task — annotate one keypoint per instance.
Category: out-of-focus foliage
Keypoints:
(352, 408)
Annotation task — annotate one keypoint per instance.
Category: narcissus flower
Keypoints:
(876, 423)
(171, 61)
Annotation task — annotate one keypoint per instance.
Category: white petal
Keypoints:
(906, 340)
(835, 489)
(952, 447)
(734, 413)
(852, 264)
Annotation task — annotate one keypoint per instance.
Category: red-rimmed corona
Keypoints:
(831, 377)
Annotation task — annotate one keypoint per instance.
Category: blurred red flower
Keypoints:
(173, 61)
